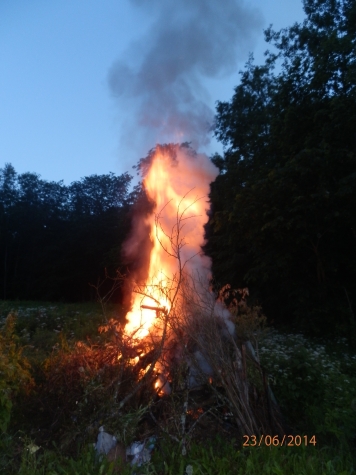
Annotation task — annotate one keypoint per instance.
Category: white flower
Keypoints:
(189, 470)
(32, 448)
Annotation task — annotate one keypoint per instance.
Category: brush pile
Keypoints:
(199, 378)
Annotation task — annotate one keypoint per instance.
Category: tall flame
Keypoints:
(177, 181)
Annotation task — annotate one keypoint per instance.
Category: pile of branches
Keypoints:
(211, 363)
(193, 378)
(197, 368)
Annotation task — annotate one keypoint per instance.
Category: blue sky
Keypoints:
(75, 93)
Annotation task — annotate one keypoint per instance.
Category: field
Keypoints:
(314, 382)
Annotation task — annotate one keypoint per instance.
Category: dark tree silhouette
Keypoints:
(284, 204)
(55, 239)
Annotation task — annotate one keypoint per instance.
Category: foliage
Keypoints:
(55, 239)
(80, 389)
(315, 387)
(51, 462)
(249, 321)
(283, 205)
(40, 326)
(115, 382)
(314, 405)
(14, 370)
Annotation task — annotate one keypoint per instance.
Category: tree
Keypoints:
(8, 199)
(283, 218)
(55, 239)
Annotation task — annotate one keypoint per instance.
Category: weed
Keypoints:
(14, 370)
(315, 387)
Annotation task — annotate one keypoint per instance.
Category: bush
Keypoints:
(315, 387)
(14, 370)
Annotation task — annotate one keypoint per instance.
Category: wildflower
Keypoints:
(32, 448)
(189, 470)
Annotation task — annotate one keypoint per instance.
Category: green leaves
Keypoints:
(286, 195)
(315, 386)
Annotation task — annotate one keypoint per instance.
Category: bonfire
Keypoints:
(183, 336)
(186, 361)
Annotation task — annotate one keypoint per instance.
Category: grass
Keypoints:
(42, 326)
(314, 382)
(218, 459)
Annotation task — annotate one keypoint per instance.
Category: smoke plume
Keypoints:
(160, 83)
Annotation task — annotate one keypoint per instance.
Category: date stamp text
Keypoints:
(286, 440)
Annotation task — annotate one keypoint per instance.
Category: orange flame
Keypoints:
(177, 181)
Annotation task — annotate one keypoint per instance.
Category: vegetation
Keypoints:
(283, 222)
(14, 371)
(78, 386)
(283, 218)
(313, 381)
(55, 239)
(315, 384)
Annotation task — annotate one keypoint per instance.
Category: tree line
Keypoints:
(54, 239)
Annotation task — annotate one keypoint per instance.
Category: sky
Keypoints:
(89, 87)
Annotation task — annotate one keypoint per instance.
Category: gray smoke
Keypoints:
(160, 83)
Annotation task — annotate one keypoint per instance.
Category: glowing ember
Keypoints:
(177, 181)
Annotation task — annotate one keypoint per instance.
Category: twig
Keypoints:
(162, 428)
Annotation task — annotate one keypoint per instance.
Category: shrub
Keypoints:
(14, 370)
(315, 387)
